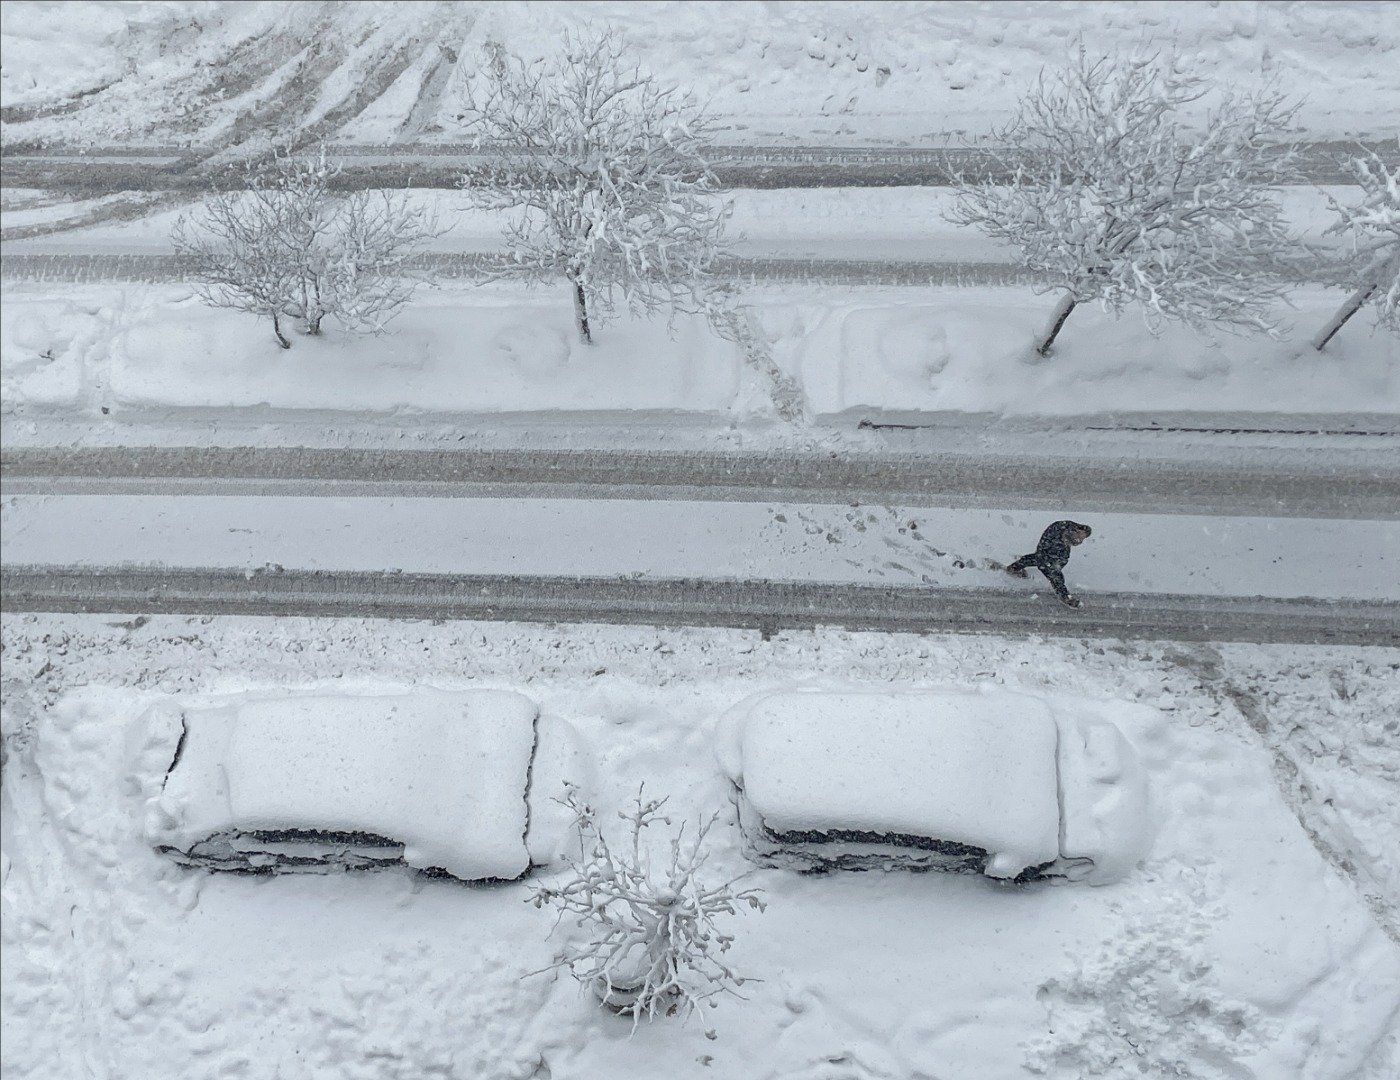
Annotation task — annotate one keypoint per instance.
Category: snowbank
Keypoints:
(44, 345)
(850, 223)
(443, 774)
(55, 52)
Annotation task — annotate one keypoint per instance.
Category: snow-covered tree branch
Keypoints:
(289, 245)
(1118, 201)
(1371, 268)
(603, 173)
(652, 944)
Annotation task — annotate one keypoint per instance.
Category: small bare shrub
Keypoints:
(651, 944)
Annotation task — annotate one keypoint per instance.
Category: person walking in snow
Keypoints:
(1051, 554)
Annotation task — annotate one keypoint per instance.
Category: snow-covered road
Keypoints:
(769, 606)
(1306, 476)
(439, 166)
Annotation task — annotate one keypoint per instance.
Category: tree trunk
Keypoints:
(581, 310)
(1062, 309)
(277, 329)
(1345, 312)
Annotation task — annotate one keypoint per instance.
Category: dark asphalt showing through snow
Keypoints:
(1282, 489)
(764, 605)
(1278, 483)
(106, 170)
(71, 268)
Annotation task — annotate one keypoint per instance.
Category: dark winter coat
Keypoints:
(1055, 542)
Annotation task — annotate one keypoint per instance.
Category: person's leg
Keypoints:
(1056, 577)
(1019, 566)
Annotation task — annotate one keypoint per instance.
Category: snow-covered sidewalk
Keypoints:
(1173, 554)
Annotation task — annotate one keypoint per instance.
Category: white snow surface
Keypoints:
(443, 774)
(852, 72)
(1105, 800)
(1241, 946)
(896, 354)
(1259, 941)
(873, 545)
(975, 769)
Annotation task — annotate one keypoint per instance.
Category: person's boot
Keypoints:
(1071, 601)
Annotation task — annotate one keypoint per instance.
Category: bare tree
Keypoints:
(651, 944)
(604, 171)
(1372, 267)
(1117, 201)
(289, 245)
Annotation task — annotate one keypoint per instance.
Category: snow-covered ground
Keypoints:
(1136, 553)
(811, 72)
(1258, 939)
(852, 351)
(891, 351)
(1236, 950)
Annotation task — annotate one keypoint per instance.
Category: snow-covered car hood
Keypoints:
(967, 767)
(1035, 781)
(445, 774)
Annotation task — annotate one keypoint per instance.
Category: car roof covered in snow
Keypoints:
(445, 774)
(977, 768)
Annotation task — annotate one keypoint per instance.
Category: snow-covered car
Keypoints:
(457, 783)
(1010, 785)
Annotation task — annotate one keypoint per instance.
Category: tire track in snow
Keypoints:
(439, 165)
(768, 606)
(69, 268)
(1208, 666)
(279, 118)
(1282, 484)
